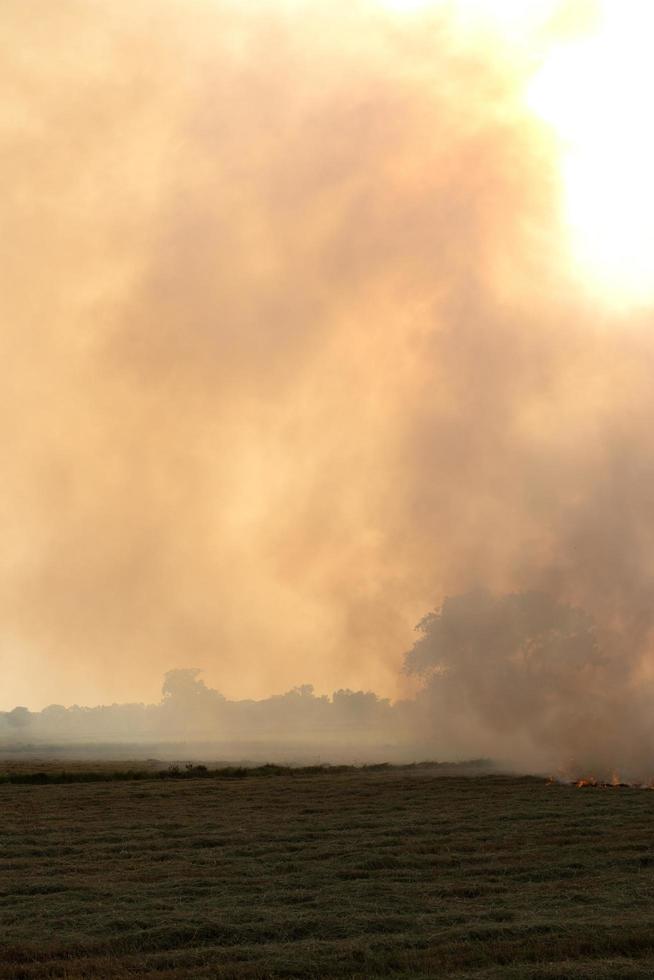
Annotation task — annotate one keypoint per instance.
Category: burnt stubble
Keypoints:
(318, 873)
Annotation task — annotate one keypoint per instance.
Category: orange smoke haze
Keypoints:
(292, 347)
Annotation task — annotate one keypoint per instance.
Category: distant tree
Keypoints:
(188, 705)
(184, 684)
(19, 717)
(358, 707)
(302, 691)
(54, 711)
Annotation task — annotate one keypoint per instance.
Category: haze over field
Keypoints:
(313, 315)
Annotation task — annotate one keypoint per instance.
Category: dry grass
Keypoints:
(340, 874)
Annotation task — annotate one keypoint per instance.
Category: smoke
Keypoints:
(191, 718)
(535, 679)
(291, 350)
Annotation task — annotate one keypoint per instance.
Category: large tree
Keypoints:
(517, 662)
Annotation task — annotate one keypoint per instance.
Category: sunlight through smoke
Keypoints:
(596, 93)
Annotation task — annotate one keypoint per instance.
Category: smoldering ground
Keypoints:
(291, 351)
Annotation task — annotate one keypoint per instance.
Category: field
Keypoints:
(400, 872)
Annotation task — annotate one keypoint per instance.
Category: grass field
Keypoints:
(397, 872)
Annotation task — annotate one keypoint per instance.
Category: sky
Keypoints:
(313, 314)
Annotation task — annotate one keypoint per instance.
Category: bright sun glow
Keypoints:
(509, 13)
(596, 92)
(405, 6)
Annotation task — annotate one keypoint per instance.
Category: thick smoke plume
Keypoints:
(290, 351)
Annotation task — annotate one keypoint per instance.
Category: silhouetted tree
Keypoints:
(183, 684)
(527, 631)
(19, 717)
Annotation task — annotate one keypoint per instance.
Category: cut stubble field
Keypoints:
(350, 873)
